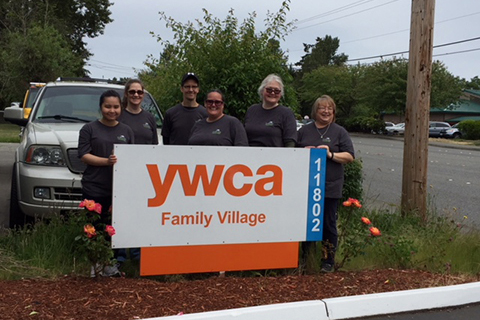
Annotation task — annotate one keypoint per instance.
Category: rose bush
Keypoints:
(94, 243)
(356, 232)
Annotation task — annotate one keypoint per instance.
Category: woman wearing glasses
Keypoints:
(218, 129)
(142, 122)
(324, 133)
(144, 128)
(270, 124)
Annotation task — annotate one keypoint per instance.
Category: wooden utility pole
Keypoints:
(417, 115)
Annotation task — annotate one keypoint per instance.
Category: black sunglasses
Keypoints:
(273, 90)
(214, 102)
(132, 92)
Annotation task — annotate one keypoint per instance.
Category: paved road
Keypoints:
(468, 312)
(7, 151)
(453, 176)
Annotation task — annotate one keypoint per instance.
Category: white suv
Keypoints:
(46, 176)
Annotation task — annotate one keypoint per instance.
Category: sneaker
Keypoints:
(94, 270)
(112, 271)
(327, 267)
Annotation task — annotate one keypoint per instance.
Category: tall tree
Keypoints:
(40, 54)
(322, 53)
(74, 19)
(225, 54)
(342, 86)
(24, 29)
(384, 86)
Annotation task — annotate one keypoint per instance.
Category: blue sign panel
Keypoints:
(316, 191)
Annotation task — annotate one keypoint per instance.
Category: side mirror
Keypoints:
(15, 115)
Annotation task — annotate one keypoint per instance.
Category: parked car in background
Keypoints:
(397, 129)
(453, 132)
(385, 131)
(46, 177)
(435, 128)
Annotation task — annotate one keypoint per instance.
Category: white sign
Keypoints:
(198, 195)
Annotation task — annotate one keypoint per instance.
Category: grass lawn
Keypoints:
(9, 133)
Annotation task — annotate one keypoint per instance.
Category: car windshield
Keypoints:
(79, 104)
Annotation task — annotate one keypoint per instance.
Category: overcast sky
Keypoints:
(366, 28)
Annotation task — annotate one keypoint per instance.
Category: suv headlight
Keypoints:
(45, 155)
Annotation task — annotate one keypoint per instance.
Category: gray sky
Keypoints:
(365, 28)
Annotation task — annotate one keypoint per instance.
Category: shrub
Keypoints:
(352, 186)
(470, 129)
(362, 124)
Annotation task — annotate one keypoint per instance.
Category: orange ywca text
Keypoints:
(221, 176)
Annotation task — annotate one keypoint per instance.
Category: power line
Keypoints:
(348, 15)
(404, 30)
(346, 7)
(403, 52)
(455, 52)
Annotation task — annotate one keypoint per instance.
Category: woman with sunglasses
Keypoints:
(218, 129)
(142, 122)
(144, 128)
(269, 124)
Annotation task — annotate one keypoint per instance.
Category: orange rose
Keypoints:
(366, 220)
(110, 230)
(375, 232)
(347, 203)
(356, 203)
(90, 230)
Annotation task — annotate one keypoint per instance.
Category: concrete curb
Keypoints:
(350, 307)
(402, 301)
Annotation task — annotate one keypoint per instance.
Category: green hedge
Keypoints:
(470, 129)
(352, 186)
(362, 124)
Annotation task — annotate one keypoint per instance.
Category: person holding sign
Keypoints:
(269, 124)
(218, 129)
(95, 148)
(324, 133)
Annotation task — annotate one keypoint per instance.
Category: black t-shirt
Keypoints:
(143, 125)
(227, 131)
(270, 127)
(179, 121)
(98, 139)
(338, 140)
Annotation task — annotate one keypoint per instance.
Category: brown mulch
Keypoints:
(138, 298)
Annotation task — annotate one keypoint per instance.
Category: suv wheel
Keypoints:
(457, 135)
(17, 217)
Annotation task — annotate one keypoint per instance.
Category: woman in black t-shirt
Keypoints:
(324, 133)
(95, 148)
(218, 129)
(270, 124)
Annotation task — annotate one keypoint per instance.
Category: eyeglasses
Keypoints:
(132, 92)
(190, 87)
(325, 108)
(214, 102)
(273, 90)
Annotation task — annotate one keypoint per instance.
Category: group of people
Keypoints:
(267, 124)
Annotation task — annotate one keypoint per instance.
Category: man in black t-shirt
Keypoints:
(180, 119)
